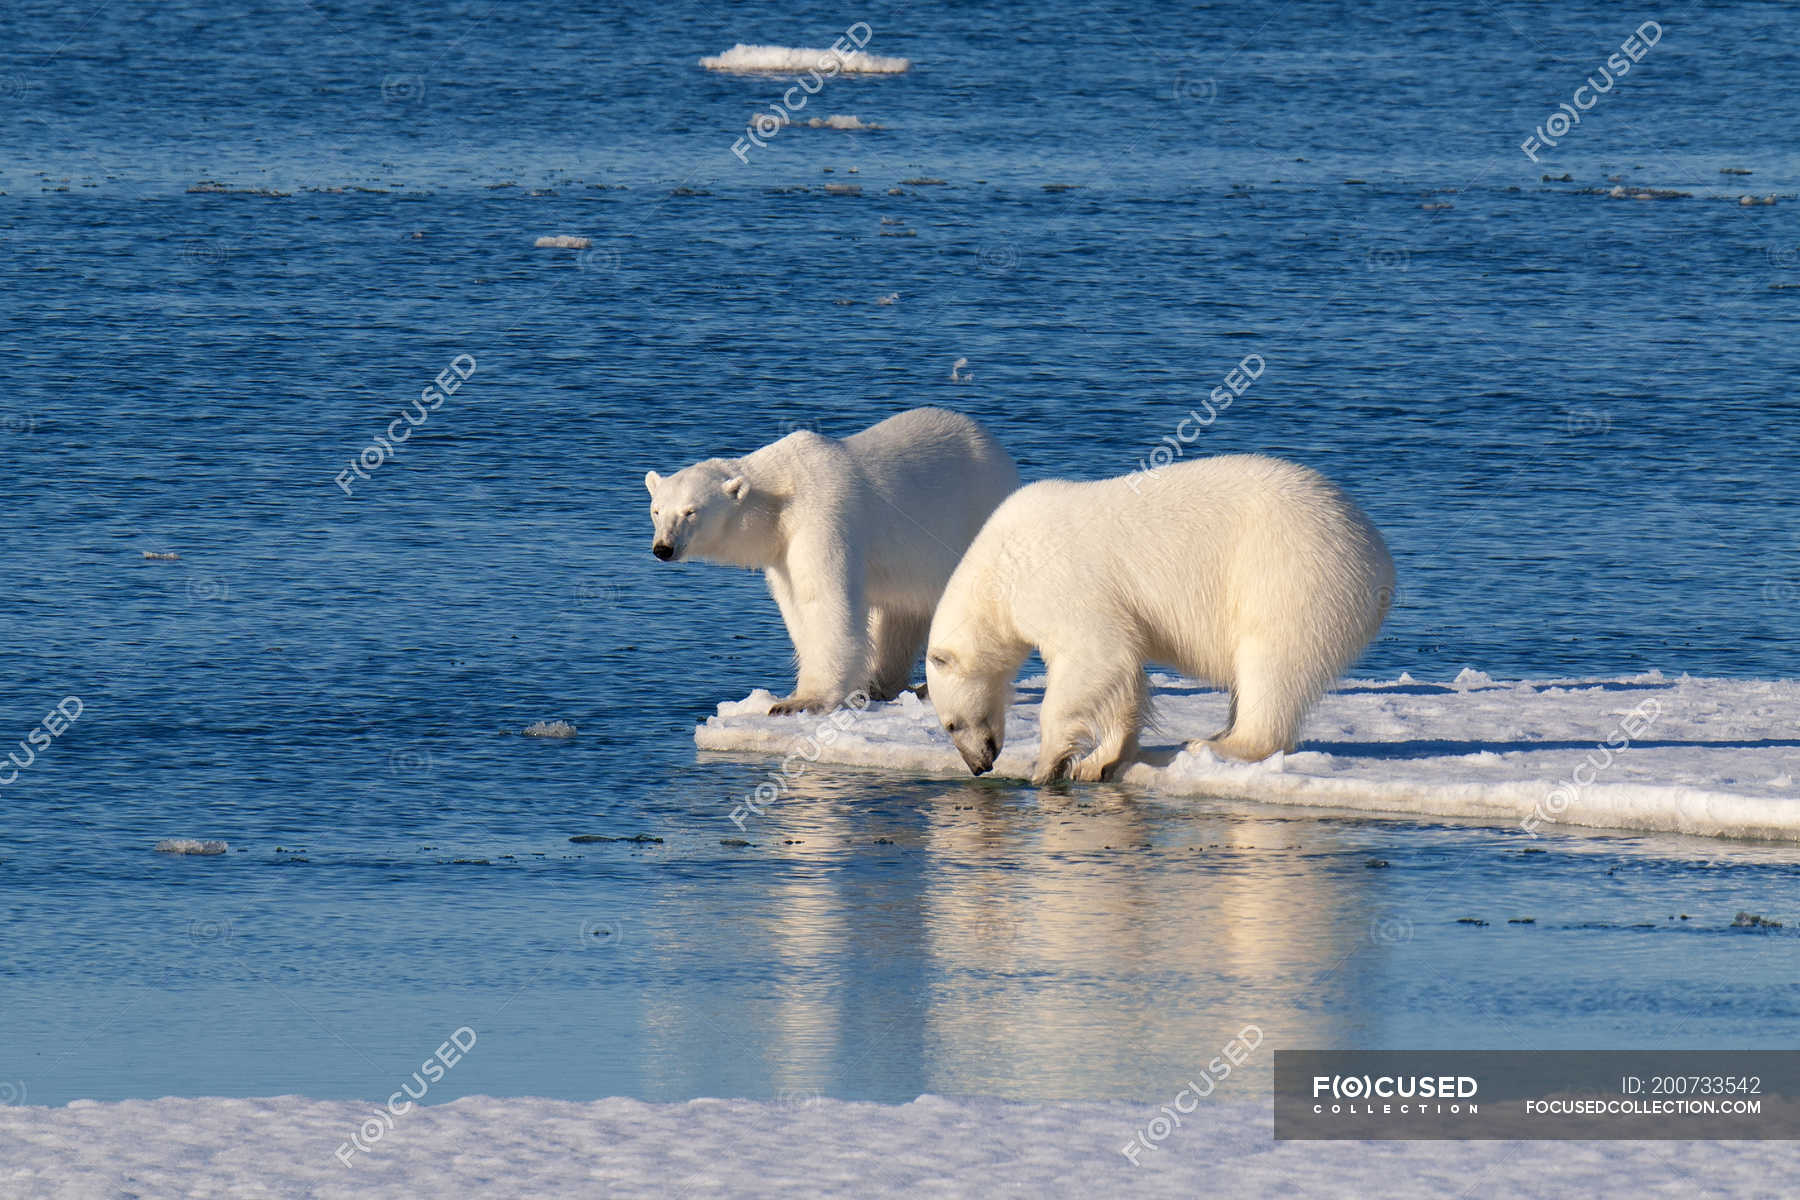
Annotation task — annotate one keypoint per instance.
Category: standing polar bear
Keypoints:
(856, 538)
(1247, 572)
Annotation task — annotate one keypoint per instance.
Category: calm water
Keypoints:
(1573, 416)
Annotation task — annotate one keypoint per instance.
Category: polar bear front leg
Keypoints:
(829, 624)
(1093, 701)
(1121, 715)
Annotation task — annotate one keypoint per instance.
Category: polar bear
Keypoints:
(1251, 573)
(856, 538)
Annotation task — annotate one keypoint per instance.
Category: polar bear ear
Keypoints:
(652, 481)
(736, 487)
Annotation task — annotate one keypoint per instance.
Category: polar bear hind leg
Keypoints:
(896, 639)
(1269, 697)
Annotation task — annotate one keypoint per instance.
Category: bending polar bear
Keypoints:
(1250, 573)
(856, 538)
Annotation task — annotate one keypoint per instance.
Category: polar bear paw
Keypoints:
(1238, 749)
(799, 704)
(1089, 770)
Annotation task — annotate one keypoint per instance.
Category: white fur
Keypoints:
(1250, 573)
(856, 537)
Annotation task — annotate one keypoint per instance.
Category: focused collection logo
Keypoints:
(1394, 1095)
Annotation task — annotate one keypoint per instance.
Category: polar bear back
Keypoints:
(917, 487)
(1186, 563)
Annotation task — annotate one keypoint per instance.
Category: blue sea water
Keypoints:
(239, 238)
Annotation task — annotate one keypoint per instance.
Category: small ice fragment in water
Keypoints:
(549, 729)
(161, 555)
(888, 299)
(189, 846)
(745, 59)
(563, 241)
(1748, 920)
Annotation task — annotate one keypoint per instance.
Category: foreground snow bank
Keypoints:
(525, 1147)
(1716, 757)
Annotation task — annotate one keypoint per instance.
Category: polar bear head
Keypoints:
(970, 693)
(697, 511)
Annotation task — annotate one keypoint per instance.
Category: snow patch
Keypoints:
(502, 1148)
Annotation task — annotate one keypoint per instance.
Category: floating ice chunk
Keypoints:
(744, 59)
(563, 241)
(549, 729)
(1709, 757)
(161, 555)
(190, 846)
(1469, 677)
(768, 122)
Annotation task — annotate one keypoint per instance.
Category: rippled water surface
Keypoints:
(1572, 414)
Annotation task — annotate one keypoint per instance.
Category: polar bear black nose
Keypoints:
(663, 551)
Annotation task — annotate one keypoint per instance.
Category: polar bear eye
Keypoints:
(687, 512)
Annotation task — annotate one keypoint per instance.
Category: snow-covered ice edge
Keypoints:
(1703, 756)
